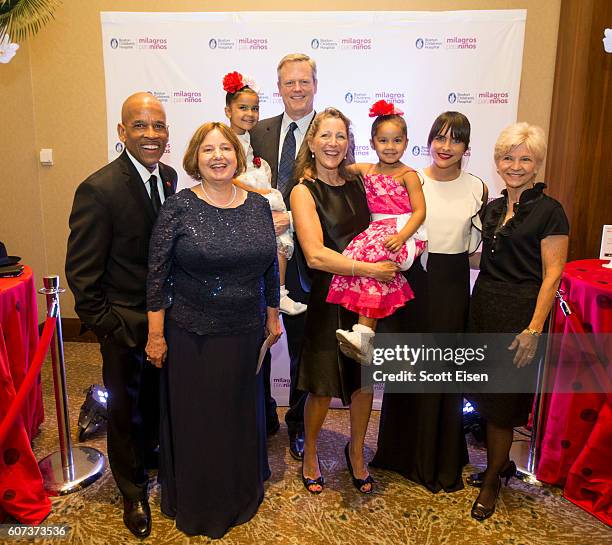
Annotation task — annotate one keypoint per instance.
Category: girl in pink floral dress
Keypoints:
(397, 205)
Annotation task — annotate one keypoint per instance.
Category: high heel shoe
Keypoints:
(309, 483)
(481, 512)
(476, 479)
(358, 483)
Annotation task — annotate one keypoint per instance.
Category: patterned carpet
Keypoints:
(400, 512)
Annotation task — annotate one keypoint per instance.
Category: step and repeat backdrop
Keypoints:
(425, 62)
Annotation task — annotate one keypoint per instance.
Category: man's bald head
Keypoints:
(139, 100)
(143, 128)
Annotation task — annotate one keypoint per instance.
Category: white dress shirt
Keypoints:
(145, 174)
(300, 132)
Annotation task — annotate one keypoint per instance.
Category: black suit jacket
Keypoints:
(265, 140)
(108, 249)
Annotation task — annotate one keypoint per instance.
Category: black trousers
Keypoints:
(294, 328)
(133, 415)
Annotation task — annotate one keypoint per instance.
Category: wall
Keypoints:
(59, 103)
(581, 124)
(21, 207)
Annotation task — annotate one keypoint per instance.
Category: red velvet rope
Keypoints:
(16, 406)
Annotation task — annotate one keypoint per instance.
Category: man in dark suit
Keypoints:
(106, 267)
(277, 140)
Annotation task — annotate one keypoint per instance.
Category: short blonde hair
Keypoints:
(297, 57)
(521, 133)
(305, 164)
(190, 160)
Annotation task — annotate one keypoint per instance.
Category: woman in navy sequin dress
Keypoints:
(211, 291)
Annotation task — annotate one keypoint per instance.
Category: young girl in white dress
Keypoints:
(242, 111)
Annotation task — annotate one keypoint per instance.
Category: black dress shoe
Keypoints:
(359, 484)
(151, 460)
(272, 427)
(481, 512)
(137, 516)
(314, 486)
(296, 445)
(476, 479)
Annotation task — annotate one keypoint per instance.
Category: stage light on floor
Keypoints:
(93, 415)
(473, 422)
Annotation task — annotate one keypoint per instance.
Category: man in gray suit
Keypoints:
(277, 140)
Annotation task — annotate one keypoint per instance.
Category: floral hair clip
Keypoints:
(235, 81)
(382, 107)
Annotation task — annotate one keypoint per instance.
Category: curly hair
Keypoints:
(521, 133)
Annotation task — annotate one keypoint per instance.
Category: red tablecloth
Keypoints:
(21, 488)
(576, 448)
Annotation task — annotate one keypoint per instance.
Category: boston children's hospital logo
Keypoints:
(324, 43)
(460, 97)
(357, 97)
(420, 150)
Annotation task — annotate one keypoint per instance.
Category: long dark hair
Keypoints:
(456, 123)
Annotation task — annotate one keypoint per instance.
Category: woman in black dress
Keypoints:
(212, 287)
(328, 213)
(525, 236)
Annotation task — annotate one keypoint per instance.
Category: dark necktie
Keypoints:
(155, 199)
(287, 160)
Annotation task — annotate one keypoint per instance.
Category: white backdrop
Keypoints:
(425, 62)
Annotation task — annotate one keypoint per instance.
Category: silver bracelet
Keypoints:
(353, 268)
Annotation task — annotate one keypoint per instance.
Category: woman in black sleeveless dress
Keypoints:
(328, 213)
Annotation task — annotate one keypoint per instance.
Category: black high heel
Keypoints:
(476, 479)
(308, 482)
(358, 483)
(481, 512)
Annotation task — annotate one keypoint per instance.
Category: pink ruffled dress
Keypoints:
(389, 204)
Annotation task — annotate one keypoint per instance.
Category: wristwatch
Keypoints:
(533, 332)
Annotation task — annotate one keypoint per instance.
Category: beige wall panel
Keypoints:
(69, 98)
(21, 223)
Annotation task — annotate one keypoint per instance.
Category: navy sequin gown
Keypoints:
(214, 271)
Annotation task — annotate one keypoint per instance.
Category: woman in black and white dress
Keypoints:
(421, 435)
